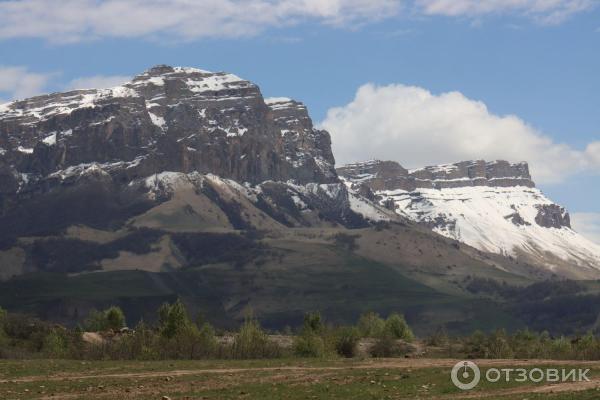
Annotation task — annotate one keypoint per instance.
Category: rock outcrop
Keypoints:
(166, 119)
(492, 206)
(389, 175)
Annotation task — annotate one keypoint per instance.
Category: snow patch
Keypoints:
(26, 150)
(50, 140)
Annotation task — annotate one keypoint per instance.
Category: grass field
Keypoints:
(276, 379)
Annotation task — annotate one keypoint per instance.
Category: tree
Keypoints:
(55, 344)
(313, 323)
(370, 324)
(111, 318)
(115, 318)
(173, 319)
(396, 326)
(253, 342)
(3, 336)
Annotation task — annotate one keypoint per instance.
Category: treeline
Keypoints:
(523, 344)
(176, 336)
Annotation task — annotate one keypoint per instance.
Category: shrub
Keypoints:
(55, 344)
(252, 342)
(173, 319)
(313, 323)
(387, 346)
(346, 341)
(115, 318)
(3, 336)
(396, 326)
(439, 338)
(207, 341)
(498, 346)
(309, 345)
(111, 318)
(371, 324)
(561, 348)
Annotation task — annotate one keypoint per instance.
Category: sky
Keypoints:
(417, 81)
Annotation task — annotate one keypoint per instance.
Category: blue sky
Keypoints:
(538, 60)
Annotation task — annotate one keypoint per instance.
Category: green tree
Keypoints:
(309, 344)
(370, 324)
(111, 318)
(396, 326)
(3, 335)
(498, 345)
(313, 322)
(115, 318)
(55, 344)
(253, 342)
(173, 319)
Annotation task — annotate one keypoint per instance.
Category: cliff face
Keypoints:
(492, 206)
(166, 119)
(389, 175)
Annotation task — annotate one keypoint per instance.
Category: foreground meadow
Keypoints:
(275, 379)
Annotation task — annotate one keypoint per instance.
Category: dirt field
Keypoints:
(277, 379)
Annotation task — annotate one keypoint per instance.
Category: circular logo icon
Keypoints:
(465, 375)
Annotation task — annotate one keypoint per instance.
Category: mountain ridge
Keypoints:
(188, 183)
(493, 206)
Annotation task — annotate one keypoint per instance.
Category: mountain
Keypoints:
(492, 206)
(185, 183)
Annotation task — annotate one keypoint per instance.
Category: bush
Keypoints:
(313, 323)
(3, 337)
(309, 345)
(396, 327)
(388, 346)
(111, 318)
(173, 319)
(371, 325)
(439, 338)
(252, 342)
(55, 344)
(498, 345)
(115, 318)
(346, 341)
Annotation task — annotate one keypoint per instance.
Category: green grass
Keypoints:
(312, 379)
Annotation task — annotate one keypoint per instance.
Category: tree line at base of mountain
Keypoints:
(177, 336)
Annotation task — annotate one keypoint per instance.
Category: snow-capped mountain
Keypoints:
(492, 206)
(170, 125)
(167, 118)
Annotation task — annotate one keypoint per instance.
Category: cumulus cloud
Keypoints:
(545, 11)
(417, 128)
(588, 224)
(97, 82)
(75, 20)
(19, 82)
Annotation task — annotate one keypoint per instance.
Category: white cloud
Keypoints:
(588, 224)
(19, 83)
(544, 11)
(75, 20)
(97, 82)
(417, 128)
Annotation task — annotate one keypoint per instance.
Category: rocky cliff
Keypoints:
(492, 206)
(166, 119)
